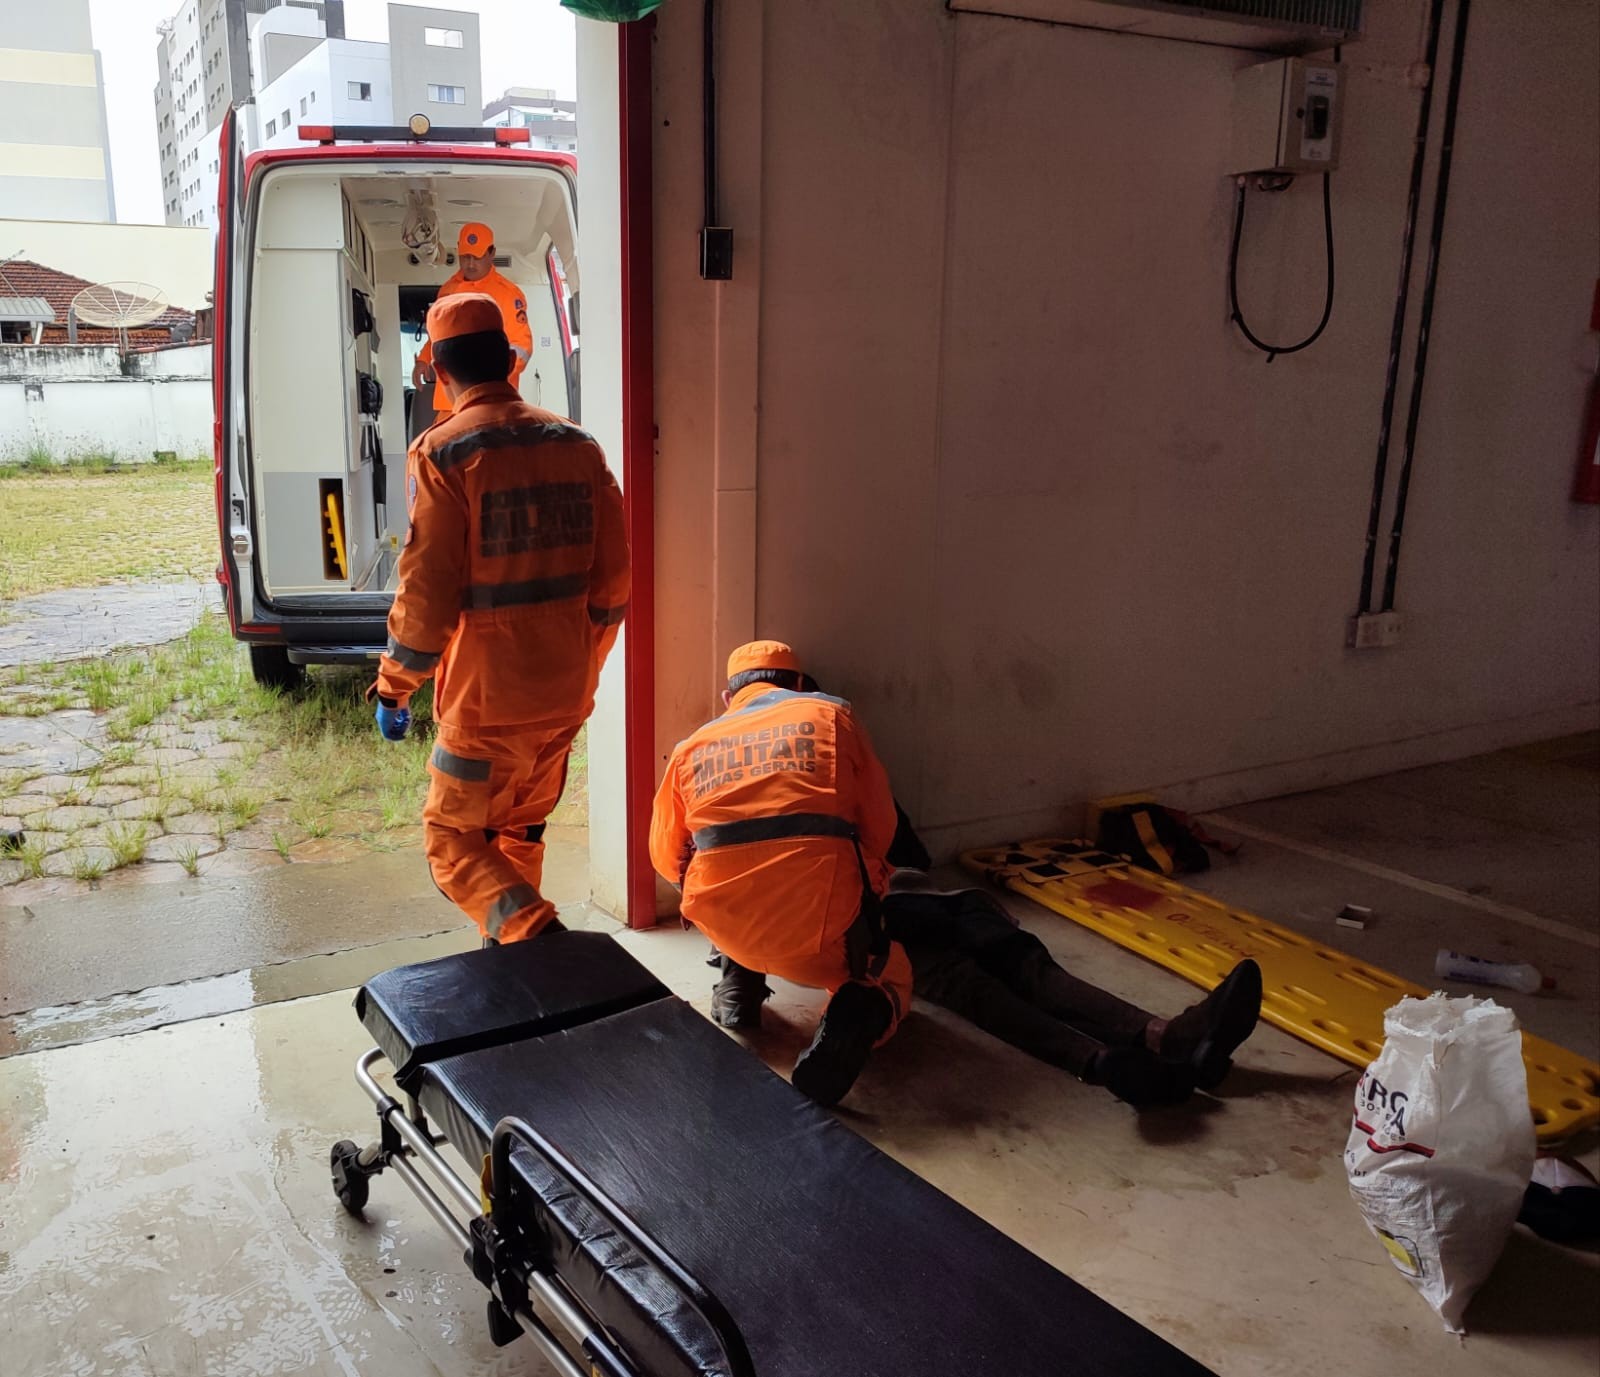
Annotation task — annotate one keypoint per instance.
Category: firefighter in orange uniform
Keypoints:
(477, 273)
(774, 818)
(513, 584)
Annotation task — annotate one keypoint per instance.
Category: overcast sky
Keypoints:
(525, 43)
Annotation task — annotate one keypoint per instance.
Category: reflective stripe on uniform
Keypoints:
(525, 593)
(607, 616)
(747, 830)
(459, 448)
(460, 766)
(407, 658)
(772, 697)
(509, 905)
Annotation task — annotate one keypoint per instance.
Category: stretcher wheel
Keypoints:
(350, 1182)
(503, 1329)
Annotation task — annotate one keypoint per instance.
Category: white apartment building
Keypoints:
(429, 66)
(551, 123)
(210, 57)
(53, 145)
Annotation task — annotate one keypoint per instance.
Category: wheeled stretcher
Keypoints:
(676, 1208)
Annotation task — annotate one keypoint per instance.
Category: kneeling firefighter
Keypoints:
(513, 584)
(774, 818)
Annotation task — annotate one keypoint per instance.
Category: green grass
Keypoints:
(189, 858)
(88, 522)
(127, 843)
(86, 867)
(281, 844)
(31, 854)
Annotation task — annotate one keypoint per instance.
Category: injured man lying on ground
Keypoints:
(777, 822)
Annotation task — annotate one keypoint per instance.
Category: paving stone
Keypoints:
(175, 848)
(193, 825)
(48, 842)
(225, 750)
(132, 774)
(165, 756)
(145, 808)
(28, 805)
(10, 871)
(65, 863)
(166, 734)
(73, 819)
(262, 836)
(192, 769)
(54, 785)
(109, 795)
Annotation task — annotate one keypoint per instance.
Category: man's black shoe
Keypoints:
(1204, 1037)
(856, 1017)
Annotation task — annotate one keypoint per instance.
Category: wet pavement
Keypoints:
(165, 1208)
(172, 1075)
(145, 940)
(79, 622)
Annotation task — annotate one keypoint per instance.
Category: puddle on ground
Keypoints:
(76, 623)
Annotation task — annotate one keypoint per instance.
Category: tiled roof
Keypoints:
(19, 277)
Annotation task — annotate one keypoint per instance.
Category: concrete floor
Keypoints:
(164, 1206)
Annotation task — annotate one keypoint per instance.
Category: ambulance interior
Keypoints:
(342, 266)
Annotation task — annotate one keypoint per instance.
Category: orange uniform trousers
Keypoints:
(829, 967)
(489, 798)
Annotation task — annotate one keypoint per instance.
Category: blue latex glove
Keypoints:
(393, 723)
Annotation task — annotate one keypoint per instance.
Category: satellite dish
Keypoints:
(119, 306)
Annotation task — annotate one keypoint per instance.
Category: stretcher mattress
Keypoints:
(831, 1257)
(417, 1014)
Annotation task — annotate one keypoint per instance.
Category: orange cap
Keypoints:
(763, 655)
(475, 238)
(463, 313)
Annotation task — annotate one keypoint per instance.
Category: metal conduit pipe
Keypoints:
(1430, 282)
(1419, 153)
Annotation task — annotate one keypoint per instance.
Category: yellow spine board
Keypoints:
(1320, 995)
(335, 533)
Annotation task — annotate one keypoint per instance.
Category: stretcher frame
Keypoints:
(504, 1257)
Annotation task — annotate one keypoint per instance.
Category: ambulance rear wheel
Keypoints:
(272, 668)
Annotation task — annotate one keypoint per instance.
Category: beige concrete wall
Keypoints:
(176, 259)
(1014, 484)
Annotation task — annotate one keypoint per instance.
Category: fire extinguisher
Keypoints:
(1586, 488)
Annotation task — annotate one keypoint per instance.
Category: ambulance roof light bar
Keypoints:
(419, 129)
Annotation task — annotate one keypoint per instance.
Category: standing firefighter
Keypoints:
(513, 583)
(775, 819)
(477, 273)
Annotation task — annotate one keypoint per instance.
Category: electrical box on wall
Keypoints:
(1286, 117)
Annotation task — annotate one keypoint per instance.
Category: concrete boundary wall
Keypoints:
(74, 401)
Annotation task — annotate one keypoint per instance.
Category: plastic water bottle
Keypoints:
(1474, 970)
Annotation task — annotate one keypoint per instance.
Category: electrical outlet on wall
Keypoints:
(1373, 630)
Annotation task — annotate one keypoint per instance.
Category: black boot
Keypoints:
(1204, 1037)
(1139, 1078)
(737, 998)
(856, 1017)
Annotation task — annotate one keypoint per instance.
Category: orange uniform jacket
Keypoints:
(514, 576)
(791, 758)
(513, 310)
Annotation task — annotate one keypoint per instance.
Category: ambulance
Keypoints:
(328, 256)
